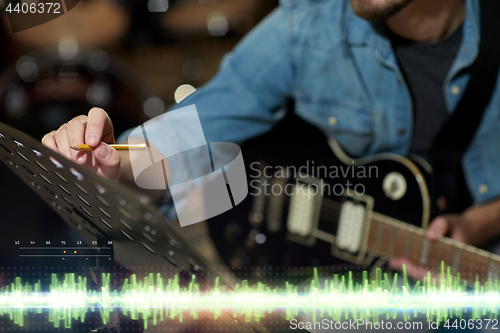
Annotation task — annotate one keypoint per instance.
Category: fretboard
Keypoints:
(390, 237)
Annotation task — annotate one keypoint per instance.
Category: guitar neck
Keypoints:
(390, 237)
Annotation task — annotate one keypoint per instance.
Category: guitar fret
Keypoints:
(380, 238)
(391, 246)
(474, 265)
(398, 251)
(487, 268)
(424, 253)
(468, 265)
(482, 262)
(493, 268)
(446, 254)
(409, 238)
(434, 256)
(372, 236)
(415, 257)
(401, 243)
(456, 262)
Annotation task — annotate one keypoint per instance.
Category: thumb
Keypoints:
(440, 226)
(109, 161)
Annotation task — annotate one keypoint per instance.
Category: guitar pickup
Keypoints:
(305, 206)
(354, 217)
(351, 226)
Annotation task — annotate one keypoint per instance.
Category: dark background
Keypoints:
(119, 55)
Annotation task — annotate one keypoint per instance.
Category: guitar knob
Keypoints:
(394, 185)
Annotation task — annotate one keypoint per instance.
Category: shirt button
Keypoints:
(483, 188)
(332, 121)
(401, 131)
(455, 90)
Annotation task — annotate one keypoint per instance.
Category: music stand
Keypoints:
(98, 208)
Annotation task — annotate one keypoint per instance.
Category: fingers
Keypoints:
(454, 226)
(49, 141)
(91, 129)
(62, 141)
(414, 271)
(99, 128)
(109, 160)
(76, 136)
(439, 227)
(67, 135)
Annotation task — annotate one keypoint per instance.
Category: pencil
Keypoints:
(115, 146)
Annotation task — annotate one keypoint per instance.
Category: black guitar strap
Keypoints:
(452, 141)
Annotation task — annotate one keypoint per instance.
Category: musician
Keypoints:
(377, 75)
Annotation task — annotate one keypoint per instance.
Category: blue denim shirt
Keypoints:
(343, 75)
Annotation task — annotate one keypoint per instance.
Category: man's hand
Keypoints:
(95, 130)
(458, 227)
(475, 226)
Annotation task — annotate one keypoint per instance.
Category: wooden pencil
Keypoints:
(115, 146)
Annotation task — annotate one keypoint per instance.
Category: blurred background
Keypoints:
(134, 58)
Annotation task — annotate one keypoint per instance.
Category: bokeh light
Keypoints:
(153, 107)
(157, 6)
(27, 69)
(68, 48)
(193, 69)
(99, 60)
(217, 24)
(99, 93)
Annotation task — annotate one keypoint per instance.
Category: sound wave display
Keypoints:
(338, 298)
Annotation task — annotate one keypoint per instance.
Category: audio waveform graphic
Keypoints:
(338, 298)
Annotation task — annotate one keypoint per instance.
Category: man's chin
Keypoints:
(378, 10)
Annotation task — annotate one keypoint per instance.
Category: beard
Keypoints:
(378, 10)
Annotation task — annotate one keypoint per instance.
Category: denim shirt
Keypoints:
(343, 75)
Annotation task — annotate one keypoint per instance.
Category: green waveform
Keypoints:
(339, 298)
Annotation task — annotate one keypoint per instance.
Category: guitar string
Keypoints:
(331, 212)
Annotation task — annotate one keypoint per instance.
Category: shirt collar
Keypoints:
(357, 31)
(471, 38)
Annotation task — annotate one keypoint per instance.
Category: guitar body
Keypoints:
(311, 204)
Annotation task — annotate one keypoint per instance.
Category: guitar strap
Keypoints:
(454, 138)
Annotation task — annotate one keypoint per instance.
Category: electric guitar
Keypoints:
(314, 205)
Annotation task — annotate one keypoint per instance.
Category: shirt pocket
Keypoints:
(350, 124)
